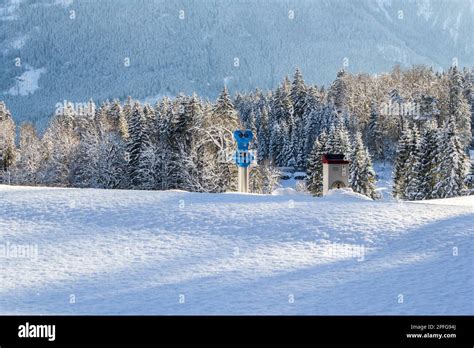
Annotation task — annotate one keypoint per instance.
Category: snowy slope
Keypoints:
(131, 252)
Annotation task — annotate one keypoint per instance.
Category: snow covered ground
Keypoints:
(144, 252)
(28, 82)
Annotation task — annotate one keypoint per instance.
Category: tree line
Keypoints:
(416, 118)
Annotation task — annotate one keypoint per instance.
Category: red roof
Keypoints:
(334, 159)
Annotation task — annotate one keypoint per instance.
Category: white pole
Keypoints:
(243, 180)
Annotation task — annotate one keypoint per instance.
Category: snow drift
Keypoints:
(145, 252)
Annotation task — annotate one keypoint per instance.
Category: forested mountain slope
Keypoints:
(111, 49)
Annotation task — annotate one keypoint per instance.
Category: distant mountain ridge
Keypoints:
(52, 50)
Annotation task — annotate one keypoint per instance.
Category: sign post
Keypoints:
(243, 180)
(243, 158)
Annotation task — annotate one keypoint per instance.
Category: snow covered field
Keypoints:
(143, 252)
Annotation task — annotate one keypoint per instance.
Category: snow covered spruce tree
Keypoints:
(315, 165)
(164, 165)
(337, 94)
(175, 160)
(287, 154)
(459, 107)
(178, 141)
(262, 134)
(137, 144)
(361, 172)
(429, 158)
(220, 127)
(117, 118)
(400, 166)
(116, 136)
(281, 119)
(453, 163)
(7, 141)
(434, 167)
(59, 149)
(312, 119)
(100, 160)
(299, 98)
(189, 144)
(375, 141)
(469, 95)
(276, 144)
(413, 166)
(27, 164)
(85, 166)
(338, 138)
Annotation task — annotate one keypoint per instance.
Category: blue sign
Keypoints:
(243, 138)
